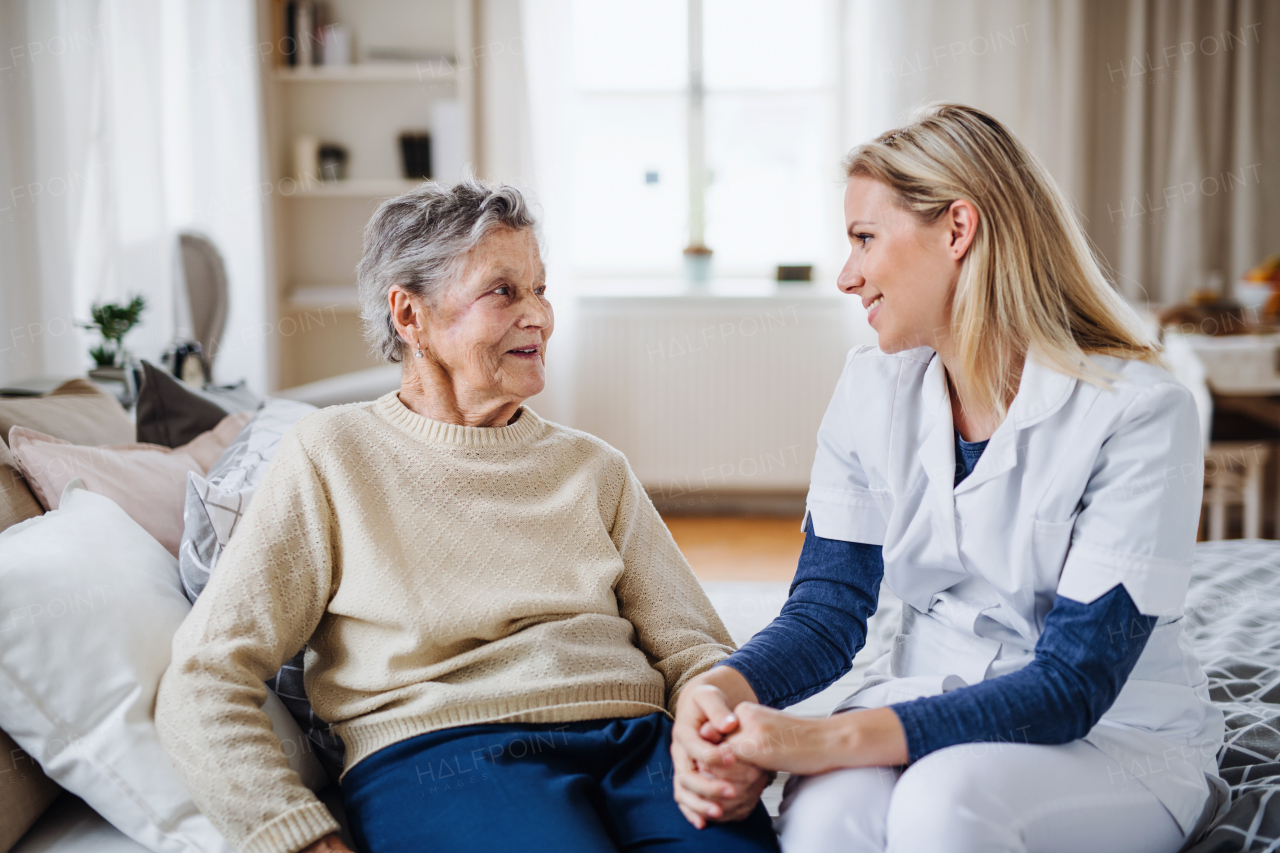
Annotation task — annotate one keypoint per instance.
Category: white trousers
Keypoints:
(979, 797)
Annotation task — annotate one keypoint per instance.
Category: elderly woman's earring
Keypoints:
(418, 354)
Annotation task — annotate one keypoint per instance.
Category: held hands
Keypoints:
(808, 746)
(711, 784)
(776, 741)
(723, 742)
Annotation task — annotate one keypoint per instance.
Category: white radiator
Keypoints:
(710, 395)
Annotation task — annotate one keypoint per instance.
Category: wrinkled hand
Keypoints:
(710, 783)
(331, 843)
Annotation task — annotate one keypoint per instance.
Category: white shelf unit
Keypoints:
(316, 230)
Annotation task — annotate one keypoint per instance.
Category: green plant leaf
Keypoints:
(113, 321)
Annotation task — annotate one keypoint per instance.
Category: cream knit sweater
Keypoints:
(440, 576)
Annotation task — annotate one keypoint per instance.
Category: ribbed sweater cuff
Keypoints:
(909, 713)
(293, 830)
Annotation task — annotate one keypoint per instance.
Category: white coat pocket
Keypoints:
(1050, 541)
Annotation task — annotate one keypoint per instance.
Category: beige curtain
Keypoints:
(1160, 119)
(1184, 135)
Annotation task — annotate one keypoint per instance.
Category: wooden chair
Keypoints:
(204, 292)
(1233, 476)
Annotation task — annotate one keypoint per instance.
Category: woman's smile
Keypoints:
(873, 308)
(529, 353)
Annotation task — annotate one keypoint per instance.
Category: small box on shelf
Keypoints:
(795, 273)
(415, 154)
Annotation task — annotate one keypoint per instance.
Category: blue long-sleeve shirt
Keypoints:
(1082, 659)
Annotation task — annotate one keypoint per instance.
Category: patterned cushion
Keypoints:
(217, 501)
(288, 685)
(1231, 622)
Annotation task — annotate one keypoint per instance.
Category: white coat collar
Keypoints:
(1042, 391)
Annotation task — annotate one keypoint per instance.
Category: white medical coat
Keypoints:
(1081, 488)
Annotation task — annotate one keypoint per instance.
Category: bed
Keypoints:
(1233, 621)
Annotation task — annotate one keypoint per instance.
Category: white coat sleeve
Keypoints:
(1141, 508)
(842, 504)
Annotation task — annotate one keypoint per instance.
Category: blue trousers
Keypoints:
(597, 785)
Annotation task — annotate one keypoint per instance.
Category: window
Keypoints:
(704, 121)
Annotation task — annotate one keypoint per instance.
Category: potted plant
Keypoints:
(113, 321)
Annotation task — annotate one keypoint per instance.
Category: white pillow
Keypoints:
(89, 602)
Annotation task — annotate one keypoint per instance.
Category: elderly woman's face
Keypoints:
(489, 329)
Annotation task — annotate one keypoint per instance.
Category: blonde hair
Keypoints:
(1029, 279)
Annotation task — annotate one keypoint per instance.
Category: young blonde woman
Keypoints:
(1013, 463)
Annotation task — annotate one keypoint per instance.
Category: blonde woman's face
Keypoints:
(904, 272)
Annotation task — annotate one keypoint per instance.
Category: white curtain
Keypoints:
(1160, 119)
(125, 122)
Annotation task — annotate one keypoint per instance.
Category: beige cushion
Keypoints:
(17, 503)
(76, 411)
(25, 792)
(148, 481)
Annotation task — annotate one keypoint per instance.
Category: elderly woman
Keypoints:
(497, 623)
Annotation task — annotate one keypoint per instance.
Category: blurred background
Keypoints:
(220, 160)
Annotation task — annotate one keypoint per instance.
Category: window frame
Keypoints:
(695, 95)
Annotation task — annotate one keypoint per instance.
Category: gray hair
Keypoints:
(419, 241)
